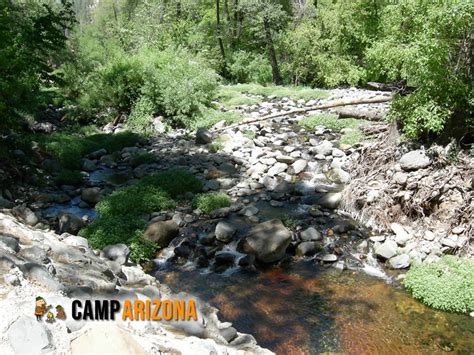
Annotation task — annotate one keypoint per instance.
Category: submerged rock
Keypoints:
(268, 241)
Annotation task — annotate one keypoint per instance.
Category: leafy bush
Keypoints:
(425, 44)
(142, 158)
(179, 84)
(69, 149)
(211, 201)
(446, 284)
(141, 116)
(249, 67)
(121, 213)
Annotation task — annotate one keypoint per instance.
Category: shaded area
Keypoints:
(309, 309)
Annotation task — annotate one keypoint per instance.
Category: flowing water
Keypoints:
(309, 309)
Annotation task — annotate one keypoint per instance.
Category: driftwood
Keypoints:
(331, 104)
(362, 113)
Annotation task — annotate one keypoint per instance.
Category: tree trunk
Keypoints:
(276, 78)
(219, 39)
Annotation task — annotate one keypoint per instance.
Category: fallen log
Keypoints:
(331, 104)
(362, 113)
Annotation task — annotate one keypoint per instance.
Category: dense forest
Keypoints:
(97, 59)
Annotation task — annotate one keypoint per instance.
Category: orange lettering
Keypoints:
(167, 310)
(191, 310)
(138, 308)
(178, 311)
(127, 310)
(157, 304)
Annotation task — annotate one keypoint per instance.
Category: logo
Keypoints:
(41, 309)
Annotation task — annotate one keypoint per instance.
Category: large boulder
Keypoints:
(28, 336)
(27, 215)
(386, 250)
(203, 136)
(268, 241)
(414, 160)
(162, 232)
(116, 252)
(70, 223)
(331, 200)
(400, 261)
(91, 195)
(224, 232)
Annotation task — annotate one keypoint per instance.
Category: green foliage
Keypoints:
(329, 120)
(69, 149)
(141, 117)
(249, 67)
(69, 177)
(426, 44)
(289, 221)
(249, 134)
(142, 158)
(121, 213)
(353, 137)
(211, 201)
(211, 117)
(231, 98)
(214, 147)
(32, 37)
(446, 284)
(294, 92)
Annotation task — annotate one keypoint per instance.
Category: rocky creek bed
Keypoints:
(286, 184)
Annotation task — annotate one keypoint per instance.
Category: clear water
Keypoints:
(310, 309)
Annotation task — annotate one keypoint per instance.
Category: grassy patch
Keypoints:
(353, 137)
(215, 147)
(211, 117)
(69, 148)
(249, 134)
(294, 92)
(120, 214)
(230, 97)
(209, 202)
(289, 222)
(142, 158)
(447, 284)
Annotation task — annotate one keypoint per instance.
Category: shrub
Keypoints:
(141, 116)
(446, 284)
(289, 221)
(209, 202)
(121, 213)
(214, 147)
(142, 158)
(249, 67)
(179, 84)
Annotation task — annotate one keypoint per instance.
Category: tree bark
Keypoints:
(276, 78)
(219, 39)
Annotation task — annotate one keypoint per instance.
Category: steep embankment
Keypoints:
(61, 268)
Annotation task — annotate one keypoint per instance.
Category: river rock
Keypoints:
(414, 160)
(203, 136)
(386, 250)
(224, 260)
(401, 235)
(285, 159)
(323, 148)
(400, 178)
(70, 223)
(329, 258)
(249, 211)
(331, 200)
(399, 262)
(162, 233)
(28, 336)
(311, 234)
(224, 232)
(116, 252)
(10, 242)
(277, 169)
(268, 241)
(91, 195)
(27, 215)
(306, 249)
(88, 165)
(298, 166)
(4, 203)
